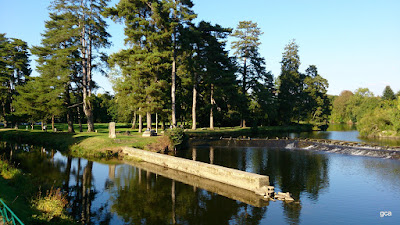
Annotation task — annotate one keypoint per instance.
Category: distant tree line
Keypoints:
(171, 67)
(374, 115)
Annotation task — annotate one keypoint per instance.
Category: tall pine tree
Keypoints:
(145, 64)
(179, 16)
(291, 83)
(58, 59)
(14, 71)
(252, 65)
(92, 36)
(316, 104)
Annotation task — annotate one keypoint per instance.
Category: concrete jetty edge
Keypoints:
(237, 178)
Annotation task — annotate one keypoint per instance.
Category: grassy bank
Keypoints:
(20, 192)
(94, 144)
(97, 144)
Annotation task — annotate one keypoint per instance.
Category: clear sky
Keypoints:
(353, 43)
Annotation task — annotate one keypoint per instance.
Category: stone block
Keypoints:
(111, 130)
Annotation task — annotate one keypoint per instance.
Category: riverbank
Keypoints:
(98, 144)
(94, 144)
(29, 198)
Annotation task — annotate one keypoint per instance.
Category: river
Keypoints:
(328, 188)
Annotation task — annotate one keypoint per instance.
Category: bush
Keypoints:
(375, 123)
(52, 205)
(177, 137)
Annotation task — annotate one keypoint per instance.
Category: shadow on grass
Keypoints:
(60, 140)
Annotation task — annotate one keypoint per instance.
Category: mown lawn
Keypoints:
(79, 143)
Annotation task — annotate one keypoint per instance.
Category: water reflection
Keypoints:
(147, 194)
(297, 172)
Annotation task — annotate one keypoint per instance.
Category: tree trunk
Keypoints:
(212, 108)
(87, 109)
(156, 122)
(70, 122)
(42, 124)
(173, 82)
(4, 115)
(52, 123)
(173, 113)
(90, 82)
(134, 121)
(86, 86)
(148, 121)
(194, 103)
(140, 124)
(79, 119)
(243, 122)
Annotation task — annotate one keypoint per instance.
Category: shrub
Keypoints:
(177, 137)
(52, 205)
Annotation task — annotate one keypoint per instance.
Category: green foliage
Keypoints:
(256, 83)
(290, 84)
(177, 136)
(317, 104)
(374, 116)
(340, 111)
(7, 171)
(388, 94)
(144, 65)
(301, 96)
(51, 206)
(104, 108)
(374, 122)
(14, 71)
(38, 99)
(350, 108)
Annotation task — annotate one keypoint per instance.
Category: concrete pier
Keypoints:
(226, 190)
(237, 178)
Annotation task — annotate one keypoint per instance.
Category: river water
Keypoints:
(328, 188)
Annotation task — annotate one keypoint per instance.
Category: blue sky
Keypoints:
(353, 43)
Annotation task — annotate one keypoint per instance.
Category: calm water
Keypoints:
(342, 132)
(329, 188)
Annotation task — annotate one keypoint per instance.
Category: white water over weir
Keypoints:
(348, 148)
(333, 146)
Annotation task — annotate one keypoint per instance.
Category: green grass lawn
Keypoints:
(80, 143)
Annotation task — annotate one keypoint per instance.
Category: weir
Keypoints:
(237, 178)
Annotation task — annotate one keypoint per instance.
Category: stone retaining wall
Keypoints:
(237, 178)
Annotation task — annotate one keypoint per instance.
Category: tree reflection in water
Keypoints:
(296, 171)
(136, 196)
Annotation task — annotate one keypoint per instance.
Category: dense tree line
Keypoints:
(374, 115)
(172, 68)
(14, 72)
